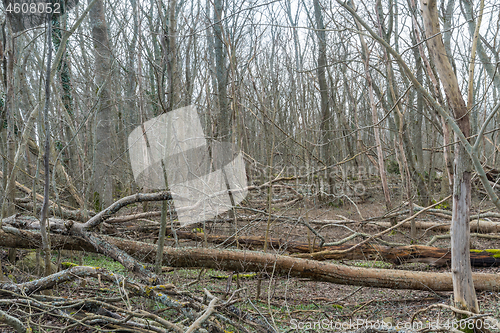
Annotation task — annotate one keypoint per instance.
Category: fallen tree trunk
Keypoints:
(475, 226)
(76, 215)
(402, 254)
(249, 261)
(394, 254)
(447, 213)
(273, 243)
(397, 255)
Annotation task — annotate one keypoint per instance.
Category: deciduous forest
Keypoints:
(249, 166)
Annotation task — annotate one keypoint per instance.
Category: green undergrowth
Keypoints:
(97, 260)
(444, 206)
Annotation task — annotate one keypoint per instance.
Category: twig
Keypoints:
(438, 237)
(386, 230)
(197, 323)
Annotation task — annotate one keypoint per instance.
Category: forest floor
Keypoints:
(292, 304)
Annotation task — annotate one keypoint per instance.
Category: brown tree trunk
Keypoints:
(8, 207)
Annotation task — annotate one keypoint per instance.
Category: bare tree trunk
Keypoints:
(486, 61)
(436, 91)
(8, 116)
(103, 173)
(224, 121)
(173, 101)
(8, 207)
(378, 142)
(46, 159)
(463, 286)
(326, 117)
(171, 56)
(67, 96)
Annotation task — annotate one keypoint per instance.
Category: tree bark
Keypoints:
(173, 73)
(103, 173)
(378, 142)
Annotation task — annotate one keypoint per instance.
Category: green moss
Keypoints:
(444, 205)
(66, 264)
(337, 203)
(495, 252)
(97, 203)
(104, 262)
(30, 265)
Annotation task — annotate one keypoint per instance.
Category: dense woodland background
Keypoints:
(316, 104)
(285, 81)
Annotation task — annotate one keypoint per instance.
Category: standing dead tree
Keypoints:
(464, 292)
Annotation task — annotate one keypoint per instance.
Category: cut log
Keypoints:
(249, 261)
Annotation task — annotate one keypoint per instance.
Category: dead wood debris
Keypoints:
(114, 310)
